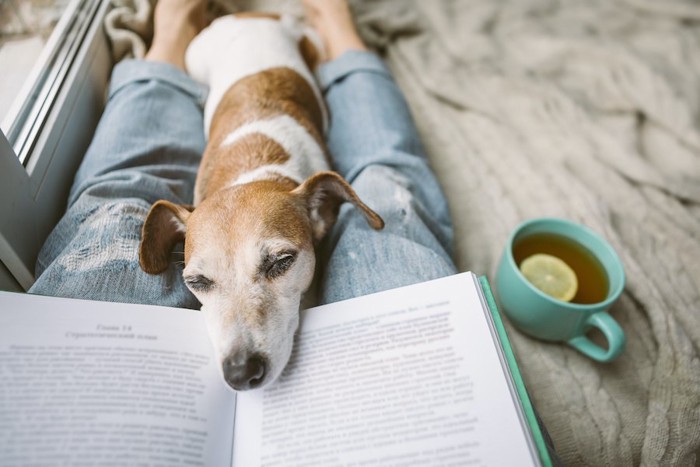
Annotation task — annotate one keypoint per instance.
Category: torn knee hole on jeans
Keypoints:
(108, 236)
(389, 193)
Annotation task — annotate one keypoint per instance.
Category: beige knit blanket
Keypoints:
(588, 110)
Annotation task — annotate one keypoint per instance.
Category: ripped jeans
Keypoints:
(148, 147)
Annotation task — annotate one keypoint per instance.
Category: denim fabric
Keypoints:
(375, 146)
(148, 147)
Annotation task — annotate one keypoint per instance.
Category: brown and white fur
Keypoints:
(264, 196)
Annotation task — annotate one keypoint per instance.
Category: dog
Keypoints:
(264, 194)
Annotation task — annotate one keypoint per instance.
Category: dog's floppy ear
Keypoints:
(324, 193)
(163, 229)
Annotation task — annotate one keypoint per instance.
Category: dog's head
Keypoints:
(249, 257)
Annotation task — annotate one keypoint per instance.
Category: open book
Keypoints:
(420, 375)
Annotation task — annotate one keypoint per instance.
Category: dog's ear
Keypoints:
(163, 229)
(324, 192)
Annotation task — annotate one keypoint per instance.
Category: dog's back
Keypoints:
(264, 114)
(236, 46)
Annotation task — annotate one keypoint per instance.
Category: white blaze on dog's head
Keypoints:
(249, 258)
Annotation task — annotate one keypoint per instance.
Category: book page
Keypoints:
(109, 384)
(410, 376)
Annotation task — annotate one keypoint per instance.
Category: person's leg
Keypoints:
(147, 147)
(374, 144)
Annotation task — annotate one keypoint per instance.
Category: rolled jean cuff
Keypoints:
(131, 71)
(350, 62)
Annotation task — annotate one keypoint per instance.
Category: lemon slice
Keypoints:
(551, 275)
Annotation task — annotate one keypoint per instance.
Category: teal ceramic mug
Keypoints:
(544, 317)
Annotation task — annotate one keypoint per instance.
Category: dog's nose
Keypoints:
(242, 372)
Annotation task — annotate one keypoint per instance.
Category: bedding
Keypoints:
(584, 110)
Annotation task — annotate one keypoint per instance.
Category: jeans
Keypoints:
(148, 146)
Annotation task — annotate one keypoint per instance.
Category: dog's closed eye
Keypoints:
(275, 265)
(199, 283)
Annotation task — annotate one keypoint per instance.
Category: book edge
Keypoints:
(528, 409)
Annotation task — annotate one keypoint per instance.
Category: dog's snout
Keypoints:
(244, 372)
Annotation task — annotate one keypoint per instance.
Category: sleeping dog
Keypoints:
(264, 195)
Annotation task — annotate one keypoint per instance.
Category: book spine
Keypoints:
(515, 374)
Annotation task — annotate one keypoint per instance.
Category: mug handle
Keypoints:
(613, 333)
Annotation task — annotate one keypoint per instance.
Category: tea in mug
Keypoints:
(593, 281)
